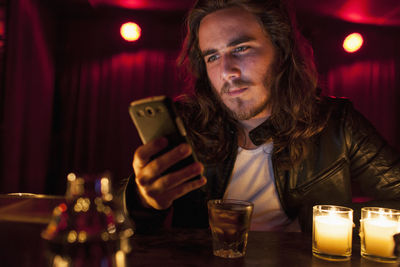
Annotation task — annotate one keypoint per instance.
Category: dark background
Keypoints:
(67, 78)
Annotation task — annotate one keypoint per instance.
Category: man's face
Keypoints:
(239, 56)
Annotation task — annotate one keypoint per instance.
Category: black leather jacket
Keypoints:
(348, 158)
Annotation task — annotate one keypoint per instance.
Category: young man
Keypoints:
(260, 129)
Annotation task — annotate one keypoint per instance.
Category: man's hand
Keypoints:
(159, 191)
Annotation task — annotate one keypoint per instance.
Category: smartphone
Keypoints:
(156, 117)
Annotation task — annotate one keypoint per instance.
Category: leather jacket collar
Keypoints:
(262, 133)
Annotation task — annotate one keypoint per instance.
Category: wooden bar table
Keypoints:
(23, 217)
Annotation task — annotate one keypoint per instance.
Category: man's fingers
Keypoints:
(174, 179)
(144, 153)
(164, 200)
(185, 188)
(156, 167)
(157, 189)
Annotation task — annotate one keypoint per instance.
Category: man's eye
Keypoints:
(212, 58)
(240, 49)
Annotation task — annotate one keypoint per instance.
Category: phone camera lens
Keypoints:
(149, 111)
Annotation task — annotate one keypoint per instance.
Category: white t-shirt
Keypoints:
(253, 180)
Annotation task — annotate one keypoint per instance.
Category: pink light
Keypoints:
(130, 31)
(353, 42)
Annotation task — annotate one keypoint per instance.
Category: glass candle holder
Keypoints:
(378, 226)
(332, 232)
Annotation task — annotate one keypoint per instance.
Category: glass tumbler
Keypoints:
(230, 222)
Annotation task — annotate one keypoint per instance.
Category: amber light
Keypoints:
(353, 42)
(130, 31)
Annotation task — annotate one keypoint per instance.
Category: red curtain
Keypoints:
(92, 128)
(27, 99)
(67, 93)
(372, 86)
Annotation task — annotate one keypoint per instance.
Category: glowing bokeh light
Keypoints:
(130, 31)
(353, 42)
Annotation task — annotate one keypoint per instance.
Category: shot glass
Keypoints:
(230, 222)
(378, 227)
(332, 232)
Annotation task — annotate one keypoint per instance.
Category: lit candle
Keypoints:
(333, 234)
(378, 234)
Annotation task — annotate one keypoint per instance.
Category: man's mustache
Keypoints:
(235, 84)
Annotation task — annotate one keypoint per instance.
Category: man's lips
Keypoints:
(237, 91)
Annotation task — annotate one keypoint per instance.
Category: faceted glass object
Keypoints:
(90, 228)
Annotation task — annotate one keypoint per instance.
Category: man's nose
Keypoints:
(230, 68)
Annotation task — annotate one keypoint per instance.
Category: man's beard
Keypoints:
(242, 112)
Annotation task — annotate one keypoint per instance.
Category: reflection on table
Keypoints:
(23, 217)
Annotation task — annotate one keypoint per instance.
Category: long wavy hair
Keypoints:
(294, 98)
